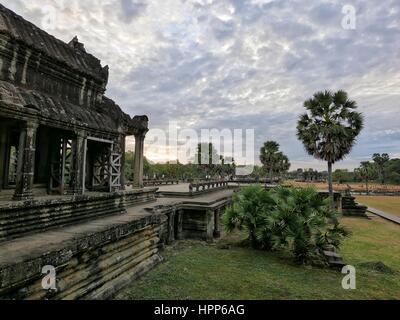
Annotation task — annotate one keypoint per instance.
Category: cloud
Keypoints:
(242, 64)
(130, 9)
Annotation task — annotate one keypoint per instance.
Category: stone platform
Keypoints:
(92, 260)
(21, 218)
(96, 257)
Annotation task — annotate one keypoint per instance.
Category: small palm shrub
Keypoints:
(298, 220)
(247, 212)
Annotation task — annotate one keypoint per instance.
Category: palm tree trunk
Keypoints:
(330, 184)
(366, 185)
(270, 175)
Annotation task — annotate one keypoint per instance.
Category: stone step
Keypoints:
(332, 254)
(19, 219)
(337, 264)
(335, 260)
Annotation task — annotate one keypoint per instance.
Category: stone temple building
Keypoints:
(64, 204)
(59, 133)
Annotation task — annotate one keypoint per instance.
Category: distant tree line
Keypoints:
(207, 164)
(308, 175)
(381, 169)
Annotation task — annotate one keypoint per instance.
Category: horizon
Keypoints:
(240, 64)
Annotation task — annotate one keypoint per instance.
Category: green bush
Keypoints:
(299, 220)
(248, 212)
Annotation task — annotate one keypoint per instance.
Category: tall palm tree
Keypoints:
(283, 164)
(329, 128)
(367, 172)
(381, 161)
(268, 156)
(272, 159)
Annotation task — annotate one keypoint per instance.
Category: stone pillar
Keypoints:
(179, 233)
(210, 220)
(123, 149)
(26, 161)
(3, 145)
(171, 228)
(217, 217)
(339, 203)
(139, 161)
(78, 163)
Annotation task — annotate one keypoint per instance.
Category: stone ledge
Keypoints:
(24, 218)
(56, 200)
(82, 247)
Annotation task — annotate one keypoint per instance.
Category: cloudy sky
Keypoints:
(240, 63)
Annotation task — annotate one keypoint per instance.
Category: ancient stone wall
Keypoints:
(95, 266)
(21, 218)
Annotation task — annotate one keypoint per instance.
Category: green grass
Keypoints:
(195, 270)
(387, 204)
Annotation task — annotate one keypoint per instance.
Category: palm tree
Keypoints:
(297, 219)
(329, 128)
(367, 171)
(381, 161)
(272, 159)
(304, 222)
(247, 212)
(283, 164)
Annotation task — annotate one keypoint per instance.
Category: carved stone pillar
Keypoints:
(26, 161)
(3, 144)
(139, 161)
(78, 163)
(123, 149)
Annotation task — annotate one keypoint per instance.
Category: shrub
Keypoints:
(287, 218)
(248, 212)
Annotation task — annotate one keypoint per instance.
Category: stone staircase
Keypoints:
(351, 208)
(335, 260)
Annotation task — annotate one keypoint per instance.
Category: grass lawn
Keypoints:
(195, 270)
(386, 204)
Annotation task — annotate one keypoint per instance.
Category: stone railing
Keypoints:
(254, 181)
(207, 185)
(148, 183)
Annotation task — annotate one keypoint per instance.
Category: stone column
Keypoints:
(139, 160)
(179, 233)
(78, 163)
(3, 144)
(26, 161)
(123, 149)
(171, 228)
(210, 220)
(217, 231)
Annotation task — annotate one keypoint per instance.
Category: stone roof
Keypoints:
(54, 107)
(106, 117)
(72, 54)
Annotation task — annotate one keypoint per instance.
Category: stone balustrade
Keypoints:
(154, 183)
(148, 183)
(207, 185)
